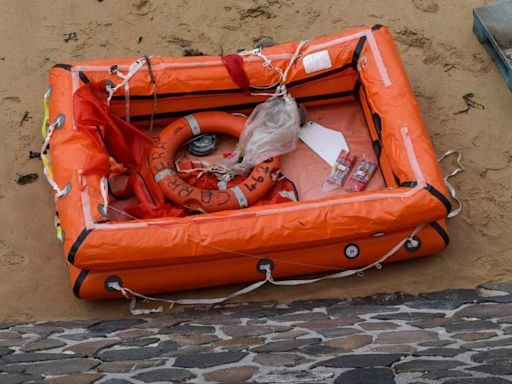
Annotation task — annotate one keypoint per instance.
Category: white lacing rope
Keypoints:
(134, 68)
(46, 160)
(130, 294)
(457, 170)
(267, 63)
(104, 193)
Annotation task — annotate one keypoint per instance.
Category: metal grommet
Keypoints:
(67, 189)
(412, 244)
(361, 63)
(103, 210)
(378, 266)
(59, 121)
(351, 251)
(110, 281)
(260, 267)
(360, 274)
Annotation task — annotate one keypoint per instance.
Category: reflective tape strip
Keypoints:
(194, 125)
(164, 173)
(242, 200)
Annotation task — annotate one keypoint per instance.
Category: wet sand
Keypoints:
(442, 57)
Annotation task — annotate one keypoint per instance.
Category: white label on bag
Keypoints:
(317, 61)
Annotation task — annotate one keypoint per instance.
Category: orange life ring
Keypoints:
(162, 155)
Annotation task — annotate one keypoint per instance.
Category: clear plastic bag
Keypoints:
(271, 130)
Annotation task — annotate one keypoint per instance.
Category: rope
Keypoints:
(133, 295)
(45, 159)
(459, 169)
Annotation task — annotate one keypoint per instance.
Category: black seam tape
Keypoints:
(357, 87)
(441, 232)
(378, 124)
(357, 51)
(438, 195)
(83, 77)
(408, 184)
(236, 107)
(67, 67)
(79, 281)
(377, 147)
(76, 245)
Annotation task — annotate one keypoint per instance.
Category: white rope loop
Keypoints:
(133, 296)
(451, 189)
(45, 159)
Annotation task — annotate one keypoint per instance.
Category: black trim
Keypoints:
(377, 121)
(438, 195)
(377, 148)
(319, 76)
(357, 88)
(79, 281)
(357, 51)
(236, 107)
(237, 90)
(83, 77)
(441, 232)
(376, 27)
(408, 184)
(67, 67)
(76, 245)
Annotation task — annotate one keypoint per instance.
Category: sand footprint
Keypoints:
(429, 6)
(9, 258)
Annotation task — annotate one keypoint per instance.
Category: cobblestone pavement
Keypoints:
(459, 336)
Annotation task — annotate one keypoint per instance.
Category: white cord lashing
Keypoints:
(134, 68)
(459, 169)
(133, 296)
(45, 159)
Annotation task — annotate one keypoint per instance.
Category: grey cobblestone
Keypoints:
(449, 337)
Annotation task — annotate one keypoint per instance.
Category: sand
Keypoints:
(444, 61)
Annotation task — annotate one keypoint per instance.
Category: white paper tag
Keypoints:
(326, 143)
(317, 61)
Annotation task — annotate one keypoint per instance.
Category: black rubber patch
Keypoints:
(83, 77)
(411, 246)
(376, 27)
(262, 263)
(438, 195)
(351, 251)
(441, 232)
(110, 280)
(67, 67)
(76, 245)
(79, 282)
(357, 51)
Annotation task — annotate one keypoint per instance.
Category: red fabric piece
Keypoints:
(235, 66)
(126, 145)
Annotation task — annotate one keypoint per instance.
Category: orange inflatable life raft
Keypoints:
(352, 81)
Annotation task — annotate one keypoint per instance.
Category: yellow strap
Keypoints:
(46, 112)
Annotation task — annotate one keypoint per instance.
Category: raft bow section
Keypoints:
(403, 217)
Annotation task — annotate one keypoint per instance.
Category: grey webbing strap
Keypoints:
(194, 125)
(242, 200)
(164, 173)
